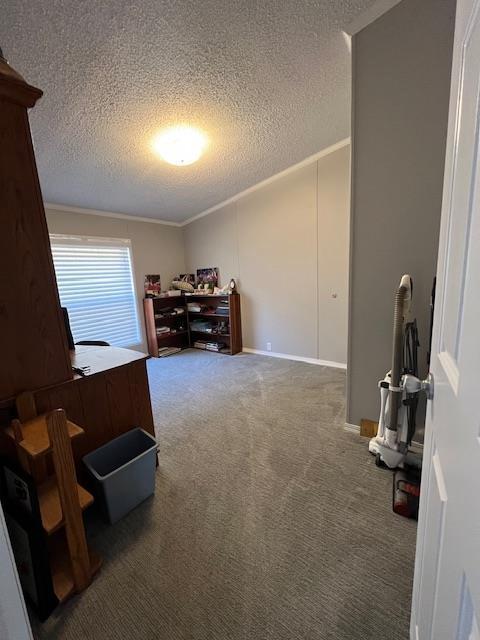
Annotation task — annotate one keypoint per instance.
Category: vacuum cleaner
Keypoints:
(399, 389)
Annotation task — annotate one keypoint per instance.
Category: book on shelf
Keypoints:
(215, 346)
(223, 310)
(161, 330)
(170, 313)
(163, 352)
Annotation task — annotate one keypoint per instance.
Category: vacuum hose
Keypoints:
(402, 296)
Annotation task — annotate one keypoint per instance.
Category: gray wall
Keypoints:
(156, 248)
(287, 244)
(401, 81)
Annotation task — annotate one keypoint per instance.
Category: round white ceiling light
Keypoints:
(180, 145)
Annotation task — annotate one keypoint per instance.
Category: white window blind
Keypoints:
(95, 282)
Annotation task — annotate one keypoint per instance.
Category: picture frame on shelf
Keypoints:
(208, 277)
(152, 285)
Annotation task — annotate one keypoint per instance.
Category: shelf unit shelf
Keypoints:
(208, 315)
(51, 507)
(35, 441)
(170, 318)
(186, 338)
(61, 500)
(212, 335)
(161, 336)
(61, 567)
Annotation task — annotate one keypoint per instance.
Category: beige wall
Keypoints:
(287, 244)
(401, 81)
(156, 248)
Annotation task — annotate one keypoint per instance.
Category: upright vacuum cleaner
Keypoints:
(399, 389)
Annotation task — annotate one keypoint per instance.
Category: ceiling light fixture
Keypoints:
(181, 145)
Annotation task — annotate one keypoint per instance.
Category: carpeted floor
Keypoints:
(270, 521)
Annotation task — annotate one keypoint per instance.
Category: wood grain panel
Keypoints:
(32, 337)
(96, 411)
(67, 397)
(105, 404)
(235, 323)
(120, 400)
(68, 493)
(140, 394)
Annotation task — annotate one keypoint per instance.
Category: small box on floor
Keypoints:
(406, 493)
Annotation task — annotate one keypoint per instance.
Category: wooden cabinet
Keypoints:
(33, 344)
(112, 399)
(220, 312)
(216, 310)
(160, 312)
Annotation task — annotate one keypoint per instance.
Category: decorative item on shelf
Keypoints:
(152, 286)
(233, 286)
(222, 327)
(208, 276)
(201, 326)
(219, 291)
(187, 277)
(184, 282)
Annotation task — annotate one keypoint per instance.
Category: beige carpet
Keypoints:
(270, 522)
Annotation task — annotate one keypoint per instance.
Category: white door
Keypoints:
(446, 592)
(14, 623)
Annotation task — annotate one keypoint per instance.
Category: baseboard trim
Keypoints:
(348, 426)
(416, 447)
(287, 356)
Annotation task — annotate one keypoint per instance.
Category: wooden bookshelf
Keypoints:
(160, 312)
(209, 313)
(185, 334)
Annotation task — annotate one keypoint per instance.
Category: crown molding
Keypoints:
(264, 183)
(59, 208)
(375, 11)
(63, 208)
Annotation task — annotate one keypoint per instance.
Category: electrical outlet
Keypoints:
(269, 346)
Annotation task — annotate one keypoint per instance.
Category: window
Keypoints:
(95, 283)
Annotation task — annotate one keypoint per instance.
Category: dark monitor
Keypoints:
(68, 330)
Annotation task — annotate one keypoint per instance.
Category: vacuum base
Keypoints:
(394, 459)
(390, 457)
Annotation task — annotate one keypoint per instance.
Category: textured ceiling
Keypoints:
(267, 80)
